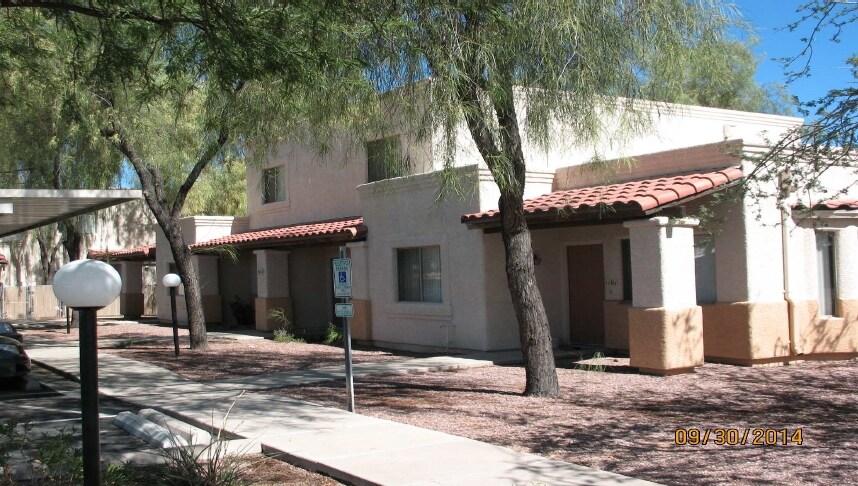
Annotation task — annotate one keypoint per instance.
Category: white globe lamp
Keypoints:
(171, 280)
(87, 284)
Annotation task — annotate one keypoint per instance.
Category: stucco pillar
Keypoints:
(272, 288)
(207, 274)
(361, 323)
(131, 295)
(665, 322)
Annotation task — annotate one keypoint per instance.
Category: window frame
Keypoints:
(421, 277)
(280, 193)
(397, 169)
(828, 272)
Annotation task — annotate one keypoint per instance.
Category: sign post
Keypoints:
(343, 290)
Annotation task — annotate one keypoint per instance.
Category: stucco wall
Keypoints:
(320, 187)
(404, 214)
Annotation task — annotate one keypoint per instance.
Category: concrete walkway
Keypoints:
(350, 447)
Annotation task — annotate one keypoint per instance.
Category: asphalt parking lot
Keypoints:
(56, 406)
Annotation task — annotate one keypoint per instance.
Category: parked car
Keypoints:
(14, 362)
(9, 331)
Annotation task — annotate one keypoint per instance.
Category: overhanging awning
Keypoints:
(311, 233)
(139, 253)
(614, 202)
(26, 209)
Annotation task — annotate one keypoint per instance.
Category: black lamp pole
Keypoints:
(89, 396)
(175, 320)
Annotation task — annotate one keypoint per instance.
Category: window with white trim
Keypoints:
(826, 264)
(419, 274)
(273, 189)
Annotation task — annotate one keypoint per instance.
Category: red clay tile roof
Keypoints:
(350, 228)
(145, 252)
(641, 196)
(844, 203)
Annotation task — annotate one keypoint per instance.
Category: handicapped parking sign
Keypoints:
(342, 277)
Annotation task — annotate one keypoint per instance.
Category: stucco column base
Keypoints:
(665, 341)
(828, 334)
(361, 323)
(746, 333)
(264, 306)
(617, 324)
(131, 305)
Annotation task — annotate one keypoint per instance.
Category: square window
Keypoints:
(273, 185)
(419, 274)
(384, 159)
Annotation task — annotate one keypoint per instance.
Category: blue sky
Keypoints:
(769, 19)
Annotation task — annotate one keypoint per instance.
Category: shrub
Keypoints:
(334, 335)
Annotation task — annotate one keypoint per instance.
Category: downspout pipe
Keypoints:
(795, 348)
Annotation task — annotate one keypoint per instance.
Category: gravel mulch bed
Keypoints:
(626, 423)
(225, 358)
(107, 329)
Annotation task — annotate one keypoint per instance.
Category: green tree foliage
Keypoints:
(513, 72)
(721, 75)
(176, 86)
(220, 190)
(47, 142)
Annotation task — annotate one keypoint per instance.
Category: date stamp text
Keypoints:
(731, 437)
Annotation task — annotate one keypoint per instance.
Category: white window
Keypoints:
(273, 185)
(826, 261)
(704, 269)
(384, 159)
(419, 274)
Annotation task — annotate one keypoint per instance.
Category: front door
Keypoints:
(586, 294)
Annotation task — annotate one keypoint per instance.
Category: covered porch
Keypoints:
(618, 265)
(290, 273)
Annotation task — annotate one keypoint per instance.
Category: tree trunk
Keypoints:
(193, 298)
(168, 216)
(504, 157)
(533, 329)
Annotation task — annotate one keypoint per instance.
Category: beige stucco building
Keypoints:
(622, 262)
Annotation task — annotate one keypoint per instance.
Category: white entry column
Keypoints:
(665, 322)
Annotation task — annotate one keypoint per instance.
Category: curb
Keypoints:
(65, 374)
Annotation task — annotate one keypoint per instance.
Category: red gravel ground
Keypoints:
(626, 423)
(225, 358)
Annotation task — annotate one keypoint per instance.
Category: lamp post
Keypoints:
(171, 281)
(86, 286)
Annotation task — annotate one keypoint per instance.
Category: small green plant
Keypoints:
(212, 464)
(334, 336)
(284, 336)
(283, 327)
(592, 367)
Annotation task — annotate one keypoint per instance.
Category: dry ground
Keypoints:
(626, 422)
(226, 358)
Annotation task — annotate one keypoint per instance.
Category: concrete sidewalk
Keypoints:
(350, 447)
